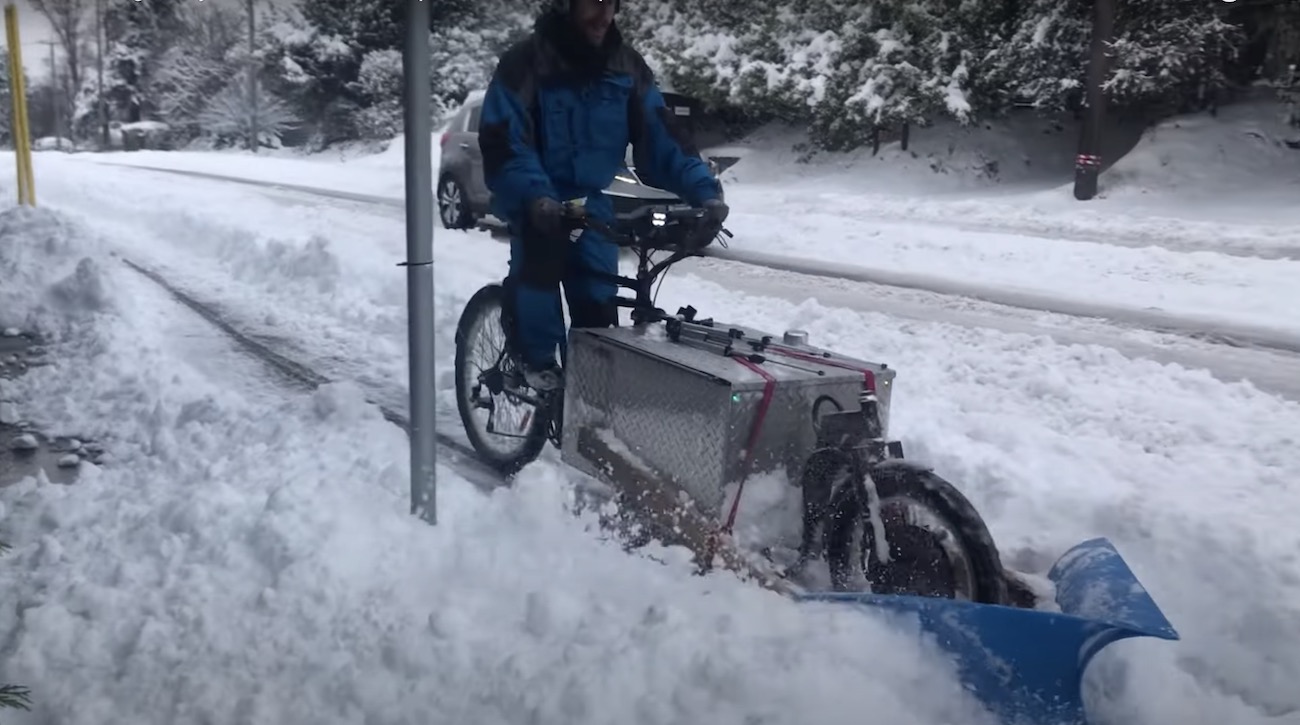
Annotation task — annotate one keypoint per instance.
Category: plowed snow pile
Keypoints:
(243, 562)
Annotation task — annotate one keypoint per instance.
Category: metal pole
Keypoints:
(1087, 165)
(252, 81)
(419, 258)
(99, 91)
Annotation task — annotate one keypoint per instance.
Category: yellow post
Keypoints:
(18, 92)
(16, 125)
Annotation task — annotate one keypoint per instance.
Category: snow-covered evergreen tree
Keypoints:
(899, 65)
(139, 33)
(688, 52)
(844, 68)
(314, 73)
(193, 72)
(1165, 53)
(464, 54)
(338, 62)
(1042, 60)
(1169, 54)
(379, 82)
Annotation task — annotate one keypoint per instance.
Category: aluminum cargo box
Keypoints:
(687, 412)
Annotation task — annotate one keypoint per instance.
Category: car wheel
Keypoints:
(453, 204)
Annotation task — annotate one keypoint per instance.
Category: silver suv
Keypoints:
(463, 196)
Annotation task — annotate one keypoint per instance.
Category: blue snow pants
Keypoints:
(534, 288)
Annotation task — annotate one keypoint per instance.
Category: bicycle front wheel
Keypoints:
(506, 422)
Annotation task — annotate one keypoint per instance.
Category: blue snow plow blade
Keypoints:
(1027, 665)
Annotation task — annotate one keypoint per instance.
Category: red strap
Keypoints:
(769, 388)
(867, 375)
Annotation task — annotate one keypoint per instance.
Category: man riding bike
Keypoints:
(557, 118)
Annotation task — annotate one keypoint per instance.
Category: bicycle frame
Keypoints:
(677, 221)
(671, 224)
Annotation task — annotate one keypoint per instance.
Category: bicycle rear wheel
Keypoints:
(506, 423)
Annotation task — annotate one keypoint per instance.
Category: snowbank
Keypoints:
(58, 283)
(1023, 151)
(1193, 183)
(251, 559)
(53, 277)
(1241, 151)
(359, 175)
(1237, 152)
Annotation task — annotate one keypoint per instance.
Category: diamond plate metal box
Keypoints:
(686, 413)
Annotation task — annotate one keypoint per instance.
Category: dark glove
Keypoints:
(715, 213)
(547, 216)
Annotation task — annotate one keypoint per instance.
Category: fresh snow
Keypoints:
(246, 553)
(255, 561)
(23, 442)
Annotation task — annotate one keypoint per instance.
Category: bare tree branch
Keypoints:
(65, 17)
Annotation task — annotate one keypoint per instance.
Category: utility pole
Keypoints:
(252, 81)
(1087, 165)
(99, 94)
(56, 93)
(419, 259)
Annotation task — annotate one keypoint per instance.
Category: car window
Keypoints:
(472, 125)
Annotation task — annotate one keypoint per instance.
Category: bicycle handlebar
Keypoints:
(666, 227)
(675, 228)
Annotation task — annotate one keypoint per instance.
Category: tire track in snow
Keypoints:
(1274, 372)
(1200, 329)
(457, 455)
(1203, 330)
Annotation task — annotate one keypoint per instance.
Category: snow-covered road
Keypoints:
(1223, 293)
(1273, 364)
(237, 551)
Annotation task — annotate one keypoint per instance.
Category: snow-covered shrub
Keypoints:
(233, 112)
(847, 69)
(1042, 60)
(1164, 53)
(379, 84)
(463, 58)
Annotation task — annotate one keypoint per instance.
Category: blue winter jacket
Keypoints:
(547, 129)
